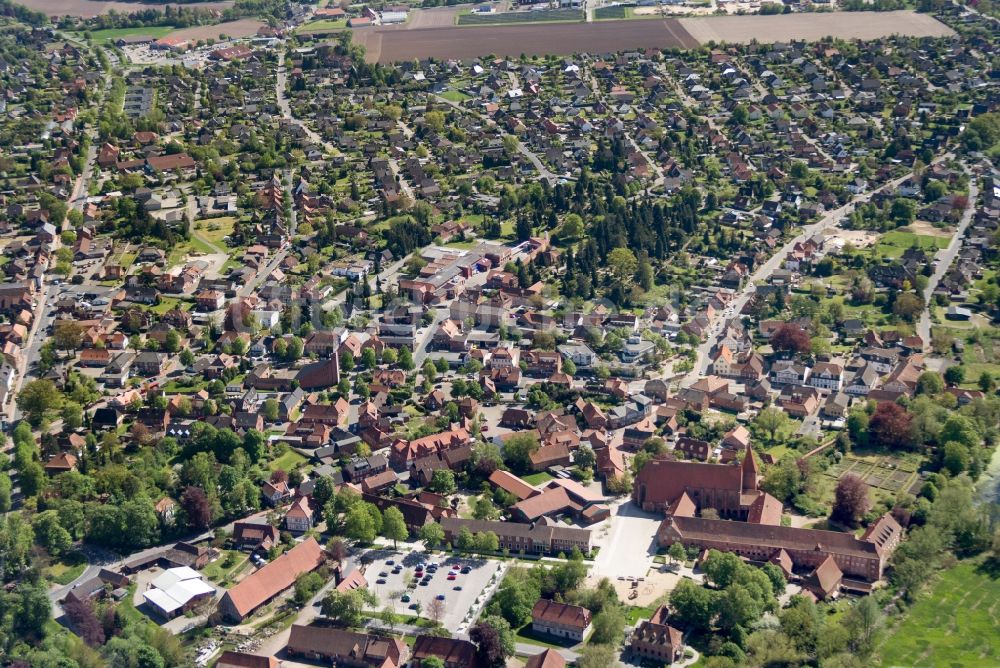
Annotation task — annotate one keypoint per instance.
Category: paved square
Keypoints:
(630, 545)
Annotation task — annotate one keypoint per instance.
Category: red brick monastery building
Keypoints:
(750, 523)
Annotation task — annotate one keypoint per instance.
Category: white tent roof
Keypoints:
(175, 587)
(172, 576)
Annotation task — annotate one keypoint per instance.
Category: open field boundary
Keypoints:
(387, 45)
(813, 26)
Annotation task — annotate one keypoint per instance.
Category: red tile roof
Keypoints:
(275, 577)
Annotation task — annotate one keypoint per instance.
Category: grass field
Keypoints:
(454, 96)
(539, 478)
(502, 18)
(526, 635)
(214, 229)
(111, 34)
(287, 461)
(893, 244)
(619, 12)
(67, 569)
(181, 252)
(978, 357)
(322, 25)
(610, 13)
(955, 623)
(220, 570)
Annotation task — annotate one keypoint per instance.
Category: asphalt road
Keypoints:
(944, 259)
(830, 220)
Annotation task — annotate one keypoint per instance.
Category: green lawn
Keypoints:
(175, 387)
(190, 250)
(955, 623)
(893, 244)
(516, 18)
(215, 229)
(67, 569)
(536, 479)
(322, 25)
(526, 635)
(111, 34)
(287, 461)
(619, 12)
(634, 614)
(225, 566)
(167, 304)
(454, 96)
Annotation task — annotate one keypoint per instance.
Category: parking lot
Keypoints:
(403, 589)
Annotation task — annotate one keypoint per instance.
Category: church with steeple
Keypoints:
(721, 507)
(687, 488)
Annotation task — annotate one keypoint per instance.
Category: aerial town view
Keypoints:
(500, 334)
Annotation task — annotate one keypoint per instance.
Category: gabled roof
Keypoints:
(563, 614)
(275, 577)
(547, 659)
(511, 483)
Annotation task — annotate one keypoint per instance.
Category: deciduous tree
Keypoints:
(851, 499)
(393, 525)
(789, 337)
(889, 426)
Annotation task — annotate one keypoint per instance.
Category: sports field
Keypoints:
(955, 623)
(112, 34)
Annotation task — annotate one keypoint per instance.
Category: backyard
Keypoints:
(226, 567)
(287, 461)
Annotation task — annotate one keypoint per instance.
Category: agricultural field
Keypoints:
(955, 623)
(89, 8)
(536, 38)
(813, 26)
(239, 28)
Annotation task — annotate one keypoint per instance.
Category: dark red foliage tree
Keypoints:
(196, 507)
(851, 500)
(81, 615)
(110, 622)
(337, 550)
(889, 426)
(279, 476)
(488, 644)
(789, 337)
